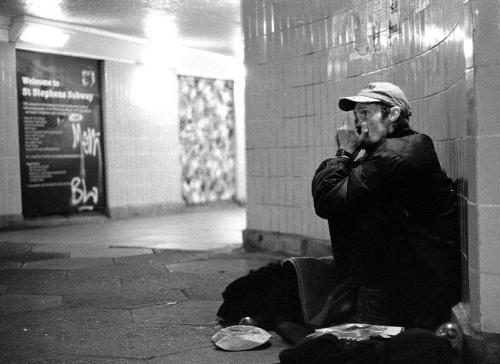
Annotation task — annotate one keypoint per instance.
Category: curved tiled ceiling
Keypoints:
(212, 25)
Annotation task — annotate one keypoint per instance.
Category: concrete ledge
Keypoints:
(480, 348)
(290, 244)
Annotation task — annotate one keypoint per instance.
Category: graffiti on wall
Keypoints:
(206, 115)
(89, 145)
(371, 26)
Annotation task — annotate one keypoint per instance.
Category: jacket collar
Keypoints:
(402, 132)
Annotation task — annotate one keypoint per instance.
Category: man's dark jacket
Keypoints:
(393, 224)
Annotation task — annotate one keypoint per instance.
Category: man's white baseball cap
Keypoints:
(383, 92)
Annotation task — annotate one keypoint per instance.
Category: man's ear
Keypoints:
(394, 113)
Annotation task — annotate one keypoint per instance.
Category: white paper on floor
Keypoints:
(240, 337)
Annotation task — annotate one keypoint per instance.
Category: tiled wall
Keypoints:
(302, 55)
(10, 177)
(484, 205)
(141, 132)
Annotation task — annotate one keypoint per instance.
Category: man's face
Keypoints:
(378, 126)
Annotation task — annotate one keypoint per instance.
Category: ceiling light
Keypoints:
(45, 8)
(161, 28)
(44, 35)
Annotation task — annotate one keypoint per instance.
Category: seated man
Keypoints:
(392, 213)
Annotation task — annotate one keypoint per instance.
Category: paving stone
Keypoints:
(121, 270)
(169, 256)
(32, 356)
(209, 355)
(36, 256)
(10, 265)
(178, 256)
(125, 341)
(180, 280)
(240, 253)
(70, 263)
(184, 312)
(212, 292)
(13, 249)
(93, 252)
(146, 259)
(124, 298)
(23, 302)
(242, 266)
(63, 319)
(15, 344)
(54, 248)
(8, 277)
(65, 286)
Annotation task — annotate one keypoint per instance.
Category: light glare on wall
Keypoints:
(151, 86)
(44, 35)
(433, 35)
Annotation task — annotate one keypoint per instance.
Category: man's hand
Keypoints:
(348, 137)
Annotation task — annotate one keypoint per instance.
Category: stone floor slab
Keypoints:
(134, 341)
(173, 256)
(242, 266)
(121, 271)
(124, 299)
(63, 319)
(211, 355)
(10, 265)
(89, 250)
(167, 256)
(32, 256)
(55, 248)
(72, 263)
(10, 303)
(65, 286)
(19, 275)
(183, 312)
(37, 256)
(33, 356)
(8, 249)
(179, 280)
(212, 292)
(93, 252)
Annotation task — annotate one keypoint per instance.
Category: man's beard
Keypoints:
(371, 141)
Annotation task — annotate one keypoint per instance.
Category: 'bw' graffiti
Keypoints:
(80, 195)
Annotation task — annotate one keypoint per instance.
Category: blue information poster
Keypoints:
(60, 131)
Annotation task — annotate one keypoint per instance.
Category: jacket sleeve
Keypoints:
(329, 186)
(340, 184)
